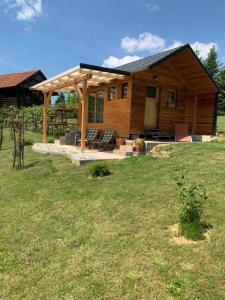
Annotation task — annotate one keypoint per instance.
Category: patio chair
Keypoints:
(76, 136)
(92, 135)
(107, 141)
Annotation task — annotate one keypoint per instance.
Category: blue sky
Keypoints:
(55, 35)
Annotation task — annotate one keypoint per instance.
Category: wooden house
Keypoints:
(15, 89)
(158, 91)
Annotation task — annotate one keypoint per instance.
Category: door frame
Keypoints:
(158, 92)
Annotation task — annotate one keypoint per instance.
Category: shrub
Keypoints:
(99, 170)
(192, 198)
(175, 287)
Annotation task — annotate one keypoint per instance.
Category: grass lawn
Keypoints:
(221, 124)
(66, 236)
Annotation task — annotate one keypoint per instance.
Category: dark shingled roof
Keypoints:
(153, 60)
(148, 62)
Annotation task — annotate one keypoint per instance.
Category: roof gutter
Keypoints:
(104, 69)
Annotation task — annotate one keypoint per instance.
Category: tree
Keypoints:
(61, 100)
(217, 72)
(221, 96)
(212, 64)
(72, 101)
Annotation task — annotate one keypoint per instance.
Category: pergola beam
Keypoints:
(68, 83)
(102, 74)
(83, 115)
(47, 97)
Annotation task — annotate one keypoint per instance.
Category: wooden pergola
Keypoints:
(78, 80)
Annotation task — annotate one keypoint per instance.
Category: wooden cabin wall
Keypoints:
(205, 112)
(167, 117)
(137, 106)
(116, 112)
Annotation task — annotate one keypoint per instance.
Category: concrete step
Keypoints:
(122, 152)
(126, 148)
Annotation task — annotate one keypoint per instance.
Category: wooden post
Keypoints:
(83, 115)
(47, 97)
(194, 118)
(158, 106)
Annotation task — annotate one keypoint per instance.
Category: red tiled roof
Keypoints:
(11, 80)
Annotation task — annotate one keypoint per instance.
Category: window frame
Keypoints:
(121, 90)
(115, 93)
(95, 112)
(156, 91)
(173, 103)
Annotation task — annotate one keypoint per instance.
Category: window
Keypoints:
(112, 93)
(151, 92)
(124, 89)
(96, 107)
(171, 98)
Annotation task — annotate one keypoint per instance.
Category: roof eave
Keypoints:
(104, 69)
(186, 46)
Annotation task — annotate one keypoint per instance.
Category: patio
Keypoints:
(75, 154)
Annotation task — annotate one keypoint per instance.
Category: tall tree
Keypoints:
(217, 72)
(72, 101)
(221, 96)
(212, 64)
(61, 100)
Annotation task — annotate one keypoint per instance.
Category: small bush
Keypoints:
(175, 287)
(192, 198)
(99, 170)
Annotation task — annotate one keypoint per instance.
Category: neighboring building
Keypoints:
(14, 89)
(156, 92)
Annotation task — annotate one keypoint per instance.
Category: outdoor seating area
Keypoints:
(94, 138)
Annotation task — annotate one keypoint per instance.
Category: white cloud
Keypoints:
(144, 42)
(203, 48)
(113, 61)
(152, 7)
(24, 10)
(175, 44)
(148, 42)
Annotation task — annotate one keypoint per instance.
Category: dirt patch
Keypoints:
(219, 138)
(181, 240)
(163, 150)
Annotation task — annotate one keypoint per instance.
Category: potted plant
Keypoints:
(120, 140)
(139, 145)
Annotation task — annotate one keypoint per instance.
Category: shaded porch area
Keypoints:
(78, 80)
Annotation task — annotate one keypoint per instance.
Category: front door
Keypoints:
(150, 107)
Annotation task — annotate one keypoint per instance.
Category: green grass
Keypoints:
(66, 236)
(221, 124)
